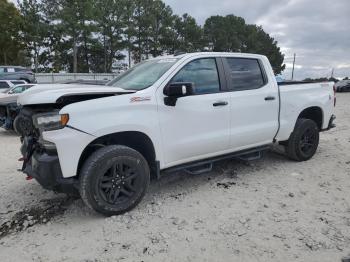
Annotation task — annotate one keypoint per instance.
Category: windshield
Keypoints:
(144, 74)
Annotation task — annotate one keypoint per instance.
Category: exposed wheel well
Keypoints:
(314, 113)
(136, 140)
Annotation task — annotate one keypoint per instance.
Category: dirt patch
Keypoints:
(226, 185)
(35, 215)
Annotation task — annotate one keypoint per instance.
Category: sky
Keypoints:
(317, 31)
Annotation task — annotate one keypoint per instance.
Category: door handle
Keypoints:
(220, 103)
(270, 98)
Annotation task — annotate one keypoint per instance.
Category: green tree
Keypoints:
(225, 33)
(109, 18)
(160, 24)
(232, 34)
(73, 19)
(34, 30)
(258, 41)
(188, 35)
(10, 25)
(151, 26)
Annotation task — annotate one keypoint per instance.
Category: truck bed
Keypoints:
(295, 96)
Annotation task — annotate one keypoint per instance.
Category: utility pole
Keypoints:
(293, 67)
(332, 73)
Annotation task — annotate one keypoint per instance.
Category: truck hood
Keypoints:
(53, 93)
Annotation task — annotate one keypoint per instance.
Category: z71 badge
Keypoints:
(139, 99)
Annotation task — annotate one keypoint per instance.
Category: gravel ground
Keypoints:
(272, 209)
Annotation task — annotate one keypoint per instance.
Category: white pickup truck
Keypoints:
(166, 114)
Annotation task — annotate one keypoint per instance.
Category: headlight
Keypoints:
(50, 121)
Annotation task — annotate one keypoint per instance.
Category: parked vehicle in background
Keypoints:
(8, 105)
(343, 85)
(5, 85)
(13, 92)
(17, 73)
(163, 115)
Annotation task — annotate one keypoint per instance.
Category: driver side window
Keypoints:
(203, 73)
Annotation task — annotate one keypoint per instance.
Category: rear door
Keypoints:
(198, 125)
(254, 103)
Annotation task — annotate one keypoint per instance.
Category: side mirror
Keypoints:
(175, 90)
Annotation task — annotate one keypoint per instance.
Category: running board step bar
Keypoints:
(197, 171)
(251, 156)
(206, 165)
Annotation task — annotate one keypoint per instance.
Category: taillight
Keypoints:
(335, 98)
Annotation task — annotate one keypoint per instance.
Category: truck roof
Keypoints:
(236, 54)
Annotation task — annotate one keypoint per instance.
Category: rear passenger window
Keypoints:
(10, 70)
(244, 74)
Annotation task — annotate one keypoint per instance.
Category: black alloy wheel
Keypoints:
(120, 182)
(114, 179)
(308, 141)
(303, 142)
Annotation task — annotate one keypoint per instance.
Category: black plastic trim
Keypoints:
(215, 159)
(46, 170)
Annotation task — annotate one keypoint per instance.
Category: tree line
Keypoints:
(92, 35)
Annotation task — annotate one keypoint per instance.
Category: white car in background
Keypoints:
(8, 105)
(5, 85)
(11, 94)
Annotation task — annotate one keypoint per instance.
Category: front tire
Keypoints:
(303, 142)
(114, 179)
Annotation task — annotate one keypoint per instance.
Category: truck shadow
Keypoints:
(225, 174)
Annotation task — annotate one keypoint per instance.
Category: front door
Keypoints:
(198, 125)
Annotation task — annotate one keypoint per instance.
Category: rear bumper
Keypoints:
(46, 170)
(330, 123)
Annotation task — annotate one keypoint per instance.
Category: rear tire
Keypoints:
(303, 142)
(114, 179)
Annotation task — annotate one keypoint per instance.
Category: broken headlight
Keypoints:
(50, 121)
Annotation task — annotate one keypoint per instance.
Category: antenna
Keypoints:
(293, 67)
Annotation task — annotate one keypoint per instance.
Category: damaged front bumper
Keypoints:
(45, 168)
